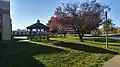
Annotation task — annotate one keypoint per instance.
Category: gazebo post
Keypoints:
(30, 34)
(40, 34)
(27, 34)
(47, 35)
(44, 34)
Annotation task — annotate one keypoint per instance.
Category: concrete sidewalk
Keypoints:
(114, 62)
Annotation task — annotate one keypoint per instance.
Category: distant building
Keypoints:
(5, 20)
(118, 30)
(111, 32)
(21, 32)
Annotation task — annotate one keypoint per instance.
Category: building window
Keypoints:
(25, 32)
(1, 17)
(0, 36)
(0, 20)
(21, 33)
(13, 33)
(17, 33)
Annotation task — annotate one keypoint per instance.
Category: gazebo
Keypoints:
(38, 29)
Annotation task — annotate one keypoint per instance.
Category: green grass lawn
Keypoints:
(68, 53)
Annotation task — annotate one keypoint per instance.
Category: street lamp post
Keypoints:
(106, 10)
(106, 30)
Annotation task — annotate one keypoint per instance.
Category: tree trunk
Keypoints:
(64, 35)
(80, 36)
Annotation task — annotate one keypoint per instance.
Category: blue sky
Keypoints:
(26, 12)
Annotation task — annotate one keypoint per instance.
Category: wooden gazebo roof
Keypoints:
(38, 25)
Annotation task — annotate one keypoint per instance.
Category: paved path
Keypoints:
(114, 62)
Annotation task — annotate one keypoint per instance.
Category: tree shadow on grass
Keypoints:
(46, 41)
(102, 39)
(109, 44)
(20, 54)
(117, 45)
(86, 48)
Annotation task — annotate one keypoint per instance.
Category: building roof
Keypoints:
(37, 25)
(117, 27)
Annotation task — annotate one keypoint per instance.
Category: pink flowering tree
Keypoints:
(82, 17)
